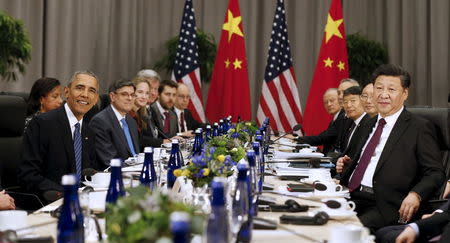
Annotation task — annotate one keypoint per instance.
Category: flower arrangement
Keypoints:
(144, 216)
(218, 158)
(244, 131)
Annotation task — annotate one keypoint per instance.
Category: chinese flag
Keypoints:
(229, 93)
(331, 68)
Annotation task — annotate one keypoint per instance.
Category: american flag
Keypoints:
(186, 69)
(279, 97)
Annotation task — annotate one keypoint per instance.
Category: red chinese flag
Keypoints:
(229, 93)
(331, 68)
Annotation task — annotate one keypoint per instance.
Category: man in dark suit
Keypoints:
(116, 132)
(430, 226)
(395, 164)
(355, 112)
(329, 138)
(58, 142)
(186, 122)
(163, 115)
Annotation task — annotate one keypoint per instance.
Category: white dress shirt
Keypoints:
(178, 111)
(370, 170)
(357, 121)
(161, 110)
(72, 119)
(118, 116)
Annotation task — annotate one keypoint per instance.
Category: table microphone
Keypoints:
(294, 129)
(52, 195)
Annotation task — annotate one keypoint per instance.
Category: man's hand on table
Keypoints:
(341, 163)
(407, 236)
(6, 201)
(409, 206)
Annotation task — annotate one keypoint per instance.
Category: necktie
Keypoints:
(349, 135)
(166, 123)
(182, 122)
(355, 181)
(126, 130)
(78, 148)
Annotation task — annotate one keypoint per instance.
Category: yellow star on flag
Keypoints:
(341, 65)
(328, 62)
(332, 28)
(227, 63)
(237, 64)
(232, 26)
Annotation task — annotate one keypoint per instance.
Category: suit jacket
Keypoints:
(48, 152)
(409, 162)
(435, 224)
(328, 138)
(110, 138)
(191, 123)
(149, 136)
(345, 136)
(159, 121)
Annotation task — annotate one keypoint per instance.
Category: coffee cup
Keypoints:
(100, 179)
(346, 233)
(326, 188)
(338, 205)
(13, 219)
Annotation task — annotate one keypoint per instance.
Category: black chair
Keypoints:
(440, 117)
(12, 123)
(24, 95)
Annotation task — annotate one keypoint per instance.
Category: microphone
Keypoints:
(294, 129)
(162, 133)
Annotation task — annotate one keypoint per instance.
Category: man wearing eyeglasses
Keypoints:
(186, 122)
(115, 131)
(367, 100)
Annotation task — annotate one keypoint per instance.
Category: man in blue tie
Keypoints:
(116, 133)
(58, 142)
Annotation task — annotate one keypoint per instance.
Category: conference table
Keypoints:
(284, 233)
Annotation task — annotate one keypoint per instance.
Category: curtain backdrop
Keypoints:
(117, 38)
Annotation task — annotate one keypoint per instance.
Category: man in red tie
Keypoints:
(395, 164)
(186, 122)
(162, 110)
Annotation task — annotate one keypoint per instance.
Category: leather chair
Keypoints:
(440, 117)
(12, 123)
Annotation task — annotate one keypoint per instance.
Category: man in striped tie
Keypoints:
(59, 142)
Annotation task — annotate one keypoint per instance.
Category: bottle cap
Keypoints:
(116, 163)
(174, 141)
(148, 150)
(216, 124)
(68, 180)
(178, 216)
(208, 126)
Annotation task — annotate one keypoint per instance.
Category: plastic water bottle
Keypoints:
(197, 147)
(179, 225)
(115, 189)
(208, 133)
(221, 130)
(218, 228)
(215, 131)
(148, 173)
(252, 182)
(259, 165)
(175, 162)
(70, 222)
(241, 220)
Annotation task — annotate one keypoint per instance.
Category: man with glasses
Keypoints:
(116, 132)
(367, 102)
(186, 122)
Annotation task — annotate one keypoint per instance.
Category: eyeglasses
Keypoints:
(365, 97)
(184, 97)
(126, 95)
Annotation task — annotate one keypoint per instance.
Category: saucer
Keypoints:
(95, 186)
(312, 195)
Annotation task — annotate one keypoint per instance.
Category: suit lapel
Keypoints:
(133, 132)
(173, 122)
(64, 128)
(157, 116)
(85, 136)
(117, 129)
(399, 128)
